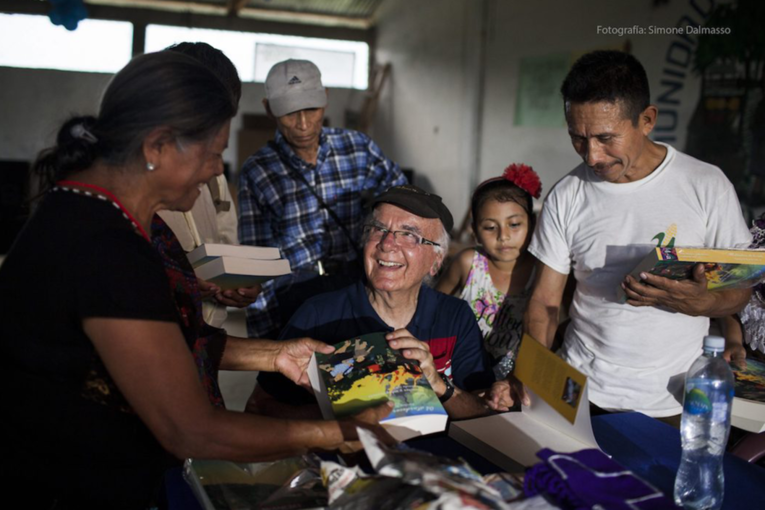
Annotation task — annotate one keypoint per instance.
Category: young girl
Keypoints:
(495, 277)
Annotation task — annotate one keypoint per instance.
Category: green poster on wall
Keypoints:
(538, 102)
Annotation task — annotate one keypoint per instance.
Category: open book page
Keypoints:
(559, 391)
(557, 383)
(558, 417)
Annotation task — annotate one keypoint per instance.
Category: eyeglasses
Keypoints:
(402, 238)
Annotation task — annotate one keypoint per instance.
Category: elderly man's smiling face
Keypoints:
(389, 265)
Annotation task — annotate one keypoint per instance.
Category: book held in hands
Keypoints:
(364, 372)
(724, 268)
(748, 410)
(234, 266)
(210, 251)
(558, 417)
(233, 273)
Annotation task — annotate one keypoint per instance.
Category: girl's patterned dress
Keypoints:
(499, 317)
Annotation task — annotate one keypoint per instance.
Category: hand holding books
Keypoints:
(506, 393)
(411, 348)
(694, 281)
(688, 296)
(236, 267)
(238, 298)
(365, 371)
(734, 353)
(291, 358)
(370, 419)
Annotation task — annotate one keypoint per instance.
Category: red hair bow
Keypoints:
(525, 178)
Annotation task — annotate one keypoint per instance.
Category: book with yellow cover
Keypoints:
(365, 372)
(725, 268)
(558, 417)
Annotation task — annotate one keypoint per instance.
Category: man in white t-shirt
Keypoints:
(630, 194)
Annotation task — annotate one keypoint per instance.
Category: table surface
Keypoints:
(649, 448)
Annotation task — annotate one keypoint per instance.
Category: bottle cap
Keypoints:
(714, 343)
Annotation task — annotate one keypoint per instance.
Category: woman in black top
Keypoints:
(98, 380)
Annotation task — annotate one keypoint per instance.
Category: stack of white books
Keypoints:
(235, 266)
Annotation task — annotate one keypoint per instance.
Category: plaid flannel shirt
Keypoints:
(277, 209)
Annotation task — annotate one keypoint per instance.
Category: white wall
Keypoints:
(429, 117)
(426, 113)
(34, 103)
(425, 119)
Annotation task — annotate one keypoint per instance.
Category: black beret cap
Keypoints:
(417, 201)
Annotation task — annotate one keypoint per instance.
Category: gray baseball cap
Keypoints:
(294, 85)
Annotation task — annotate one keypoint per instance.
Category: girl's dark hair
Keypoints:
(166, 88)
(500, 190)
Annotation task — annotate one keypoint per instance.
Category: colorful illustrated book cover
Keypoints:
(750, 381)
(364, 372)
(748, 411)
(725, 268)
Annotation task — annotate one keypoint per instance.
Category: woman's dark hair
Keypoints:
(500, 190)
(612, 76)
(166, 89)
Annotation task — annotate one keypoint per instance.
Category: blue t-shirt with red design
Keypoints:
(444, 322)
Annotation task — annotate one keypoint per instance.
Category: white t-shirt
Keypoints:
(635, 357)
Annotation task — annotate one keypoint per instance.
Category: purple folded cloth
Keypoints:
(589, 479)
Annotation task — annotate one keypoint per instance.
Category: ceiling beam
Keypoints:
(289, 25)
(234, 6)
(328, 20)
(308, 18)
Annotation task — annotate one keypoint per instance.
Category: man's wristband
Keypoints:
(449, 388)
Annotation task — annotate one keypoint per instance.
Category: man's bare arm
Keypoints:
(463, 405)
(734, 353)
(541, 318)
(153, 368)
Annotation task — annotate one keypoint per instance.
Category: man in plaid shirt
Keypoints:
(283, 185)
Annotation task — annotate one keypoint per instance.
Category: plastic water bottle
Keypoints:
(704, 428)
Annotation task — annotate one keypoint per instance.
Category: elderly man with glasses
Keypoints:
(405, 241)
